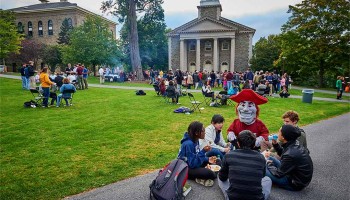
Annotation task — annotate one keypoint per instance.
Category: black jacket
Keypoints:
(296, 164)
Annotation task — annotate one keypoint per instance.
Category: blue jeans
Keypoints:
(46, 94)
(281, 182)
(25, 83)
(229, 84)
(59, 97)
(215, 152)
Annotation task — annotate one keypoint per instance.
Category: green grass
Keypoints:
(107, 135)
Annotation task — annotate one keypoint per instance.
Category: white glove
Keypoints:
(231, 136)
(259, 140)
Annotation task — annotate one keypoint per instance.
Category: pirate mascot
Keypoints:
(248, 111)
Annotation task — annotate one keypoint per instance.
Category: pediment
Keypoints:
(208, 25)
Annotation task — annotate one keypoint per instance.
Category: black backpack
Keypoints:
(140, 92)
(30, 104)
(169, 182)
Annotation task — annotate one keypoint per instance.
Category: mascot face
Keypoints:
(247, 112)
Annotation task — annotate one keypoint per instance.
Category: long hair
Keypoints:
(194, 130)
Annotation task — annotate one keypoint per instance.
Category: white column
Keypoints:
(233, 54)
(182, 56)
(198, 55)
(216, 54)
(185, 66)
(169, 53)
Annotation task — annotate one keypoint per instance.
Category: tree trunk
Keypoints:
(321, 79)
(134, 40)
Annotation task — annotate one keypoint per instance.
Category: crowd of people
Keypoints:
(250, 160)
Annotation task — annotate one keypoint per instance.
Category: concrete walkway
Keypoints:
(193, 91)
(319, 90)
(328, 142)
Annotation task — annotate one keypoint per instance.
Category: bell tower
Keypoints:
(209, 8)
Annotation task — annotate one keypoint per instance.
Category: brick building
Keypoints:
(210, 42)
(42, 22)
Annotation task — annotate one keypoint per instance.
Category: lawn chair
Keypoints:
(207, 99)
(156, 89)
(38, 97)
(195, 104)
(168, 98)
(225, 100)
(67, 95)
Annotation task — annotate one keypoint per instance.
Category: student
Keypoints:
(291, 117)
(284, 92)
(213, 138)
(66, 86)
(242, 176)
(45, 84)
(172, 92)
(294, 170)
(195, 157)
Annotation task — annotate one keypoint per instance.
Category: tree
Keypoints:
(63, 36)
(10, 39)
(126, 10)
(52, 56)
(152, 41)
(91, 43)
(317, 34)
(265, 53)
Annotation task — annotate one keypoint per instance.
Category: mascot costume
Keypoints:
(248, 112)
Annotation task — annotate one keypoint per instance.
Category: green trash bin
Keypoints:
(307, 95)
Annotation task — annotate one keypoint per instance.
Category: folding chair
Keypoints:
(195, 104)
(156, 89)
(226, 101)
(67, 95)
(38, 97)
(207, 100)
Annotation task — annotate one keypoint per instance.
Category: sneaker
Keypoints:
(206, 183)
(178, 103)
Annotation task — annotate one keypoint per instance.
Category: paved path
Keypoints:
(328, 142)
(151, 89)
(319, 90)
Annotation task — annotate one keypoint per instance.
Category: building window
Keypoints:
(20, 27)
(225, 46)
(40, 28)
(192, 46)
(70, 23)
(208, 62)
(30, 29)
(50, 27)
(207, 46)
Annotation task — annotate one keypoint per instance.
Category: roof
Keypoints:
(44, 6)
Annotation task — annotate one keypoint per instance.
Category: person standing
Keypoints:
(242, 176)
(339, 87)
(31, 73)
(101, 72)
(45, 85)
(80, 70)
(24, 73)
(85, 76)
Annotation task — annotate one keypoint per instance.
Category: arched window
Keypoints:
(224, 63)
(70, 22)
(192, 64)
(30, 29)
(208, 62)
(40, 28)
(20, 27)
(50, 27)
(225, 46)
(207, 46)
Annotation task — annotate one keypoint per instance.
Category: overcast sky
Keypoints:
(266, 16)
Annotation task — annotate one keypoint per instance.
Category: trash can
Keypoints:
(307, 95)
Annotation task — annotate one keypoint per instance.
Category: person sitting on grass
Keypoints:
(294, 170)
(213, 138)
(284, 92)
(195, 157)
(242, 175)
(291, 117)
(66, 86)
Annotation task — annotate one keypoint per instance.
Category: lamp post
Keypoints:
(283, 60)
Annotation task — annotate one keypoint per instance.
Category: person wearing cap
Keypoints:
(294, 170)
(247, 110)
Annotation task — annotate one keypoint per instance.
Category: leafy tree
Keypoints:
(317, 37)
(91, 43)
(265, 53)
(52, 56)
(63, 36)
(153, 41)
(10, 39)
(126, 11)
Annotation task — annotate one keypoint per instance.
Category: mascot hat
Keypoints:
(249, 95)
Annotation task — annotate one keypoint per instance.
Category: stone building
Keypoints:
(210, 42)
(42, 22)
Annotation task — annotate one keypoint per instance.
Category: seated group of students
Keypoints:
(167, 88)
(66, 85)
(246, 172)
(264, 88)
(222, 96)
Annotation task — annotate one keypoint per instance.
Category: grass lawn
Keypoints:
(107, 135)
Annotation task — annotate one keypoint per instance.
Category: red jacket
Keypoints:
(258, 127)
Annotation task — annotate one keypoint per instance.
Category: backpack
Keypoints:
(168, 185)
(30, 104)
(140, 92)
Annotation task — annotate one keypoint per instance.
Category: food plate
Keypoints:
(214, 168)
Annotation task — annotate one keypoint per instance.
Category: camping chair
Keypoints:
(195, 104)
(169, 98)
(207, 100)
(226, 100)
(156, 89)
(67, 97)
(38, 97)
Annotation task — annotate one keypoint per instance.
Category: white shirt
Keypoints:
(101, 71)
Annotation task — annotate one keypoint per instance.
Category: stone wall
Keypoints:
(211, 12)
(175, 52)
(224, 55)
(242, 52)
